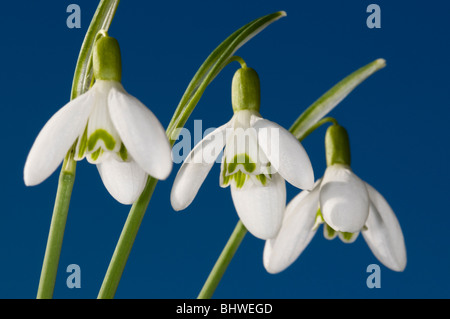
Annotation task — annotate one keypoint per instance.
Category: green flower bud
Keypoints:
(337, 145)
(106, 59)
(245, 91)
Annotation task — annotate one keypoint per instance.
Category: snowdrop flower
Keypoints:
(259, 156)
(346, 205)
(108, 127)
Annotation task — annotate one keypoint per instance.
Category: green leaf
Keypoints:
(215, 62)
(301, 128)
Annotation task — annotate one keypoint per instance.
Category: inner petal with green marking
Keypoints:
(330, 233)
(106, 138)
(100, 138)
(241, 169)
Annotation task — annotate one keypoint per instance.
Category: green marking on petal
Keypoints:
(347, 236)
(242, 159)
(330, 233)
(240, 179)
(95, 155)
(226, 181)
(319, 220)
(240, 174)
(262, 178)
(102, 134)
(82, 143)
(225, 178)
(123, 153)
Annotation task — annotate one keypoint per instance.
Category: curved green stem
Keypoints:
(224, 260)
(81, 82)
(316, 126)
(238, 59)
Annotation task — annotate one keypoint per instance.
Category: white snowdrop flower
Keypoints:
(110, 128)
(346, 206)
(259, 155)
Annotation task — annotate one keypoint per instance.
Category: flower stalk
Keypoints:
(125, 243)
(81, 83)
(57, 226)
(224, 260)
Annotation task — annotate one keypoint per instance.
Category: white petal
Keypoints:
(100, 119)
(383, 234)
(296, 232)
(285, 153)
(343, 199)
(56, 138)
(261, 208)
(196, 167)
(141, 132)
(125, 181)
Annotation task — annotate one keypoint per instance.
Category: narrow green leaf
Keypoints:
(332, 97)
(215, 62)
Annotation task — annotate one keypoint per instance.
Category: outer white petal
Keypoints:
(261, 208)
(343, 199)
(296, 232)
(285, 153)
(125, 181)
(383, 234)
(56, 138)
(141, 132)
(196, 167)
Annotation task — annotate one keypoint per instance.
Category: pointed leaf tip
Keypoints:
(381, 62)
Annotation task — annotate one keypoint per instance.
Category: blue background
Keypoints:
(397, 121)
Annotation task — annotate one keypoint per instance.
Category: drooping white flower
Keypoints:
(259, 156)
(111, 129)
(346, 206)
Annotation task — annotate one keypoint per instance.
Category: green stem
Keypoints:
(125, 243)
(238, 59)
(57, 226)
(81, 82)
(316, 126)
(224, 260)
